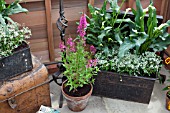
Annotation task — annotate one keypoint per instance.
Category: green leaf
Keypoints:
(2, 20)
(117, 37)
(125, 47)
(152, 21)
(139, 18)
(114, 5)
(134, 12)
(100, 37)
(16, 9)
(9, 19)
(167, 88)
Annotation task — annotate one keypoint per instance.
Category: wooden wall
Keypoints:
(42, 18)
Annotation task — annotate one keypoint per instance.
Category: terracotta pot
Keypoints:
(167, 102)
(76, 104)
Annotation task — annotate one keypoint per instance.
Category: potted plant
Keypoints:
(15, 57)
(80, 69)
(126, 50)
(167, 88)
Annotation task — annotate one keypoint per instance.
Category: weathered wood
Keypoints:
(28, 102)
(43, 56)
(31, 19)
(10, 1)
(130, 88)
(165, 9)
(50, 30)
(130, 3)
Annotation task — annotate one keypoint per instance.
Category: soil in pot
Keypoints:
(77, 101)
(81, 91)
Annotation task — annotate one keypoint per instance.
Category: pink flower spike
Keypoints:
(62, 47)
(72, 49)
(82, 26)
(92, 49)
(70, 42)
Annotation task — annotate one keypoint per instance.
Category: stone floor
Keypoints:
(106, 105)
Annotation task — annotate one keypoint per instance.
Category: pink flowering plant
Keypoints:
(80, 64)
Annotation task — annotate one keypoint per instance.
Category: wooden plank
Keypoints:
(158, 4)
(35, 45)
(67, 4)
(165, 10)
(34, 6)
(10, 1)
(71, 14)
(130, 3)
(50, 30)
(43, 56)
(31, 18)
(71, 29)
(39, 31)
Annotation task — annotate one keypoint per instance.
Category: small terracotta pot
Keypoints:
(167, 102)
(76, 104)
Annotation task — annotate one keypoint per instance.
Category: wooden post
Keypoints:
(89, 2)
(49, 30)
(165, 10)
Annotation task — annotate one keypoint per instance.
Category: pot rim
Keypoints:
(126, 75)
(77, 98)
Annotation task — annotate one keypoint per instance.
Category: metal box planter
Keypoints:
(119, 86)
(17, 63)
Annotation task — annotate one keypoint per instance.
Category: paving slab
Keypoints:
(156, 105)
(107, 105)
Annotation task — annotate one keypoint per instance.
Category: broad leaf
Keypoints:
(125, 47)
(2, 20)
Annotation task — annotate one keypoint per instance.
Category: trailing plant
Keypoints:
(11, 37)
(145, 35)
(79, 63)
(7, 10)
(105, 30)
(147, 64)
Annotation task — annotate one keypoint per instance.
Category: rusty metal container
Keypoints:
(124, 87)
(19, 95)
(17, 63)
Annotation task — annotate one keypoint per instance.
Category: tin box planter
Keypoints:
(17, 63)
(125, 87)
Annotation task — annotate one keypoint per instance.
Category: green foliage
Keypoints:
(12, 36)
(6, 11)
(105, 29)
(79, 70)
(146, 38)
